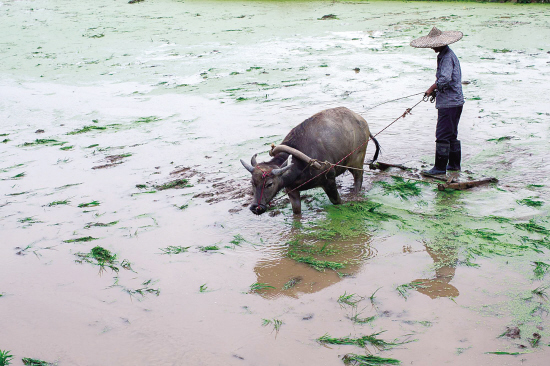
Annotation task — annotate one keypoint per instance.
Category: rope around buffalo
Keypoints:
(407, 111)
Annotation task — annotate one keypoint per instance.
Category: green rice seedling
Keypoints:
(237, 240)
(147, 119)
(35, 362)
(91, 146)
(540, 269)
(5, 170)
(126, 264)
(48, 142)
(532, 226)
(203, 288)
(401, 188)
(275, 322)
(5, 141)
(100, 224)
(100, 257)
(535, 340)
(356, 319)
(5, 358)
(16, 177)
(257, 287)
(368, 360)
(351, 299)
(143, 291)
(141, 186)
(80, 240)
(175, 184)
(182, 207)
(529, 202)
(57, 203)
(29, 220)
(504, 50)
(404, 289)
(173, 249)
(504, 353)
(541, 292)
(292, 282)
(319, 265)
(66, 148)
(89, 204)
(86, 129)
(208, 248)
(362, 341)
(67, 186)
(372, 297)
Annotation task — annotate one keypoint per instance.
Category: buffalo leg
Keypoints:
(357, 179)
(332, 192)
(294, 198)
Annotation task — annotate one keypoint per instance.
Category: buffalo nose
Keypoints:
(257, 209)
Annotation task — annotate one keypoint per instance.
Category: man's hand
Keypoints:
(430, 90)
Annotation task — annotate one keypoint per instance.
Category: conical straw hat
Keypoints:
(437, 38)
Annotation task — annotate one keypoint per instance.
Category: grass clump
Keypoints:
(86, 129)
(48, 142)
(208, 248)
(80, 240)
(100, 257)
(319, 265)
(100, 224)
(362, 341)
(401, 188)
(35, 362)
(276, 323)
(57, 203)
(147, 119)
(29, 220)
(540, 269)
(145, 290)
(356, 319)
(404, 289)
(5, 358)
(89, 204)
(291, 283)
(532, 226)
(368, 360)
(203, 288)
(351, 299)
(175, 184)
(173, 249)
(257, 287)
(530, 203)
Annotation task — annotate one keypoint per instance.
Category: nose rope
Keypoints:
(264, 176)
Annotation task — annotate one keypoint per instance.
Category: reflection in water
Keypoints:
(439, 286)
(307, 265)
(443, 249)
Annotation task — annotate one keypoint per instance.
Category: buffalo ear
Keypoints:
(248, 167)
(280, 171)
(253, 160)
(287, 161)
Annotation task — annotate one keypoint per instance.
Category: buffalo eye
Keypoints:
(269, 184)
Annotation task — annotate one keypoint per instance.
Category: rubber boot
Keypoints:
(454, 156)
(441, 158)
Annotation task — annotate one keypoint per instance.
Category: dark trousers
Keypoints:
(447, 124)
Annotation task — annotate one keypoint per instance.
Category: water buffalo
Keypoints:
(329, 135)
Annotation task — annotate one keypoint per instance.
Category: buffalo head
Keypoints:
(267, 181)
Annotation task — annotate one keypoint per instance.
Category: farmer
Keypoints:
(448, 101)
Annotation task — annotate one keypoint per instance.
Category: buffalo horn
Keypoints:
(248, 167)
(281, 170)
(253, 160)
(296, 153)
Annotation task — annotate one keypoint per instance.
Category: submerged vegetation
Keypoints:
(368, 360)
(362, 341)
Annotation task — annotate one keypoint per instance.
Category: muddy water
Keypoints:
(182, 90)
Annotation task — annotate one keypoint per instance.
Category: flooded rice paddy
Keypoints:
(126, 238)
